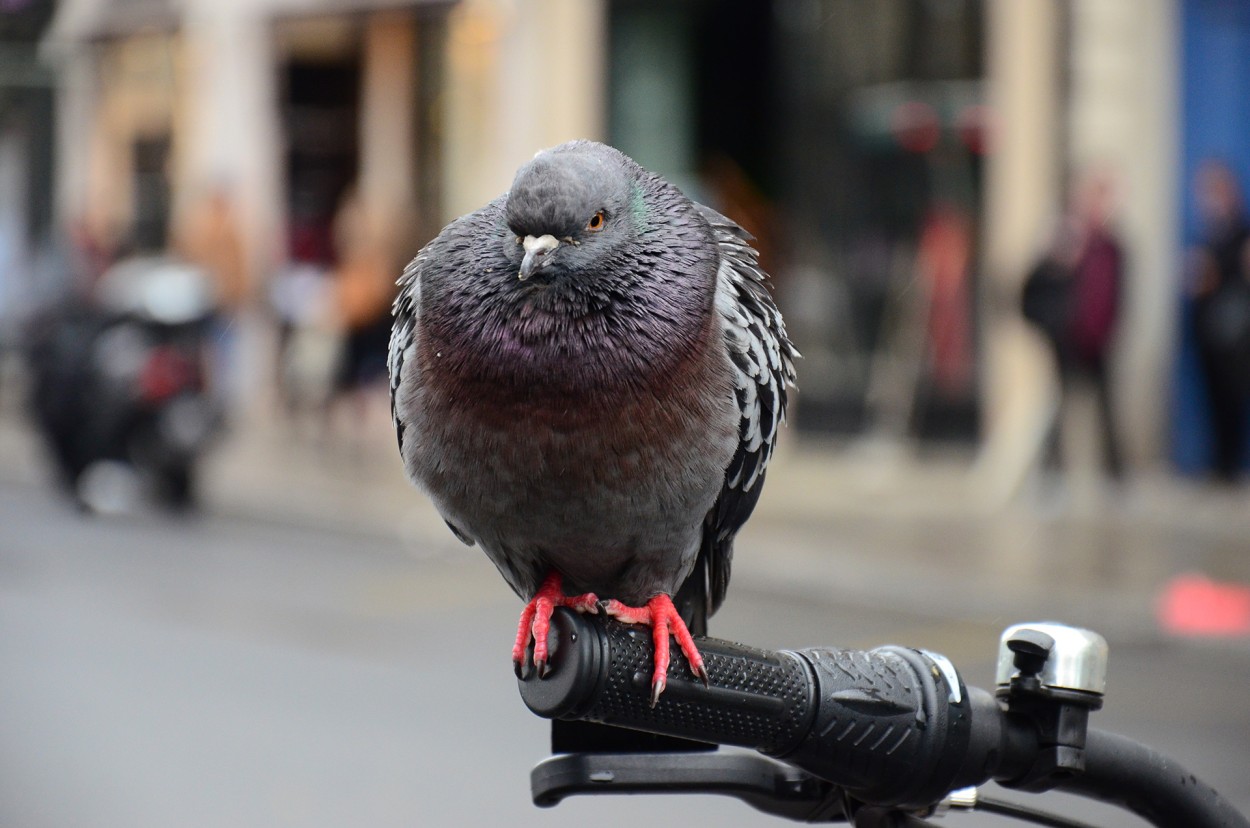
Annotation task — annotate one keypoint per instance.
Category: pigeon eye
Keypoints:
(596, 221)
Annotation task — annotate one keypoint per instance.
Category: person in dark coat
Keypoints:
(1220, 289)
(1073, 296)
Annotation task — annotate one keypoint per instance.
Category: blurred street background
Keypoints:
(1007, 235)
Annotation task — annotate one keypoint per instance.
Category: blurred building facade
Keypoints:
(26, 102)
(898, 160)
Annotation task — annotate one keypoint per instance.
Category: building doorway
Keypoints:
(320, 116)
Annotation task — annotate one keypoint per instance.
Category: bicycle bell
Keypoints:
(1052, 657)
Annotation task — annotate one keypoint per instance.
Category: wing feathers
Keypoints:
(763, 358)
(406, 311)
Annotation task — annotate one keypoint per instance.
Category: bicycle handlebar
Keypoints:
(892, 727)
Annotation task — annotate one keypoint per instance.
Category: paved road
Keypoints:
(206, 672)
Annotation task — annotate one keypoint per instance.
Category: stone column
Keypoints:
(386, 117)
(77, 100)
(1123, 117)
(231, 130)
(1022, 187)
(228, 138)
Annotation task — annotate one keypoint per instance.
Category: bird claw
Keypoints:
(657, 687)
(535, 623)
(522, 669)
(660, 614)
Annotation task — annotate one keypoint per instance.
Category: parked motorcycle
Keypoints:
(121, 384)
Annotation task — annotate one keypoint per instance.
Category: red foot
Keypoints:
(536, 620)
(660, 614)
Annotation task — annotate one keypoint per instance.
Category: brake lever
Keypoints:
(766, 784)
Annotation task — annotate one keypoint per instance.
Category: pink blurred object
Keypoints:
(1194, 605)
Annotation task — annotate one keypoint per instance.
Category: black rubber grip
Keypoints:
(889, 727)
(601, 672)
(884, 724)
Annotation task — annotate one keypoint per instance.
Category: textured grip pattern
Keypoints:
(883, 723)
(754, 699)
(870, 712)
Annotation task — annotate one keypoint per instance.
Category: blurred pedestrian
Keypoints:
(1219, 284)
(208, 235)
(92, 250)
(1072, 295)
(302, 297)
(364, 288)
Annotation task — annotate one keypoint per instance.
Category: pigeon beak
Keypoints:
(536, 250)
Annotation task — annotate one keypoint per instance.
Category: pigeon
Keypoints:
(587, 377)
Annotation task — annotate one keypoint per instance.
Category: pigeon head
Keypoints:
(568, 209)
(589, 272)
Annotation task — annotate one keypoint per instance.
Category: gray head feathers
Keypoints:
(561, 189)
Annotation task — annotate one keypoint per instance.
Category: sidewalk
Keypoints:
(857, 524)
